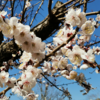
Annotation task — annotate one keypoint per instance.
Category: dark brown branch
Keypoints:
(92, 13)
(49, 8)
(6, 51)
(91, 44)
(12, 8)
(1, 37)
(45, 28)
(4, 91)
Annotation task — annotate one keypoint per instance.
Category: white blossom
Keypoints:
(72, 75)
(4, 76)
(74, 56)
(89, 56)
(28, 4)
(72, 17)
(98, 17)
(26, 57)
(85, 66)
(87, 28)
(46, 67)
(11, 82)
(82, 17)
(4, 98)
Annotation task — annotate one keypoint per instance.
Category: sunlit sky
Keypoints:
(74, 89)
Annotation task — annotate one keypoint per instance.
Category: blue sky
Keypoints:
(74, 89)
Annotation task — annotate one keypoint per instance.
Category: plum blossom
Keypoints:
(28, 81)
(97, 71)
(87, 28)
(26, 57)
(24, 33)
(85, 38)
(89, 56)
(74, 56)
(31, 96)
(46, 67)
(4, 98)
(17, 90)
(66, 49)
(74, 67)
(98, 17)
(35, 72)
(63, 36)
(96, 50)
(28, 84)
(85, 66)
(2, 14)
(62, 63)
(57, 41)
(38, 56)
(11, 82)
(28, 4)
(4, 76)
(72, 75)
(12, 26)
(82, 17)
(37, 45)
(72, 18)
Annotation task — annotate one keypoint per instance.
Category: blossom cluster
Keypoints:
(32, 46)
(34, 51)
(28, 41)
(71, 51)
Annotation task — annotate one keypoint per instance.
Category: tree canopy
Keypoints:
(60, 45)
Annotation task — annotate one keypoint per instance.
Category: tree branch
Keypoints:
(85, 6)
(92, 13)
(57, 48)
(12, 8)
(23, 12)
(49, 8)
(65, 92)
(1, 37)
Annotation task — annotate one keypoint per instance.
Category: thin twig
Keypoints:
(4, 5)
(65, 4)
(36, 13)
(69, 7)
(54, 84)
(23, 12)
(91, 44)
